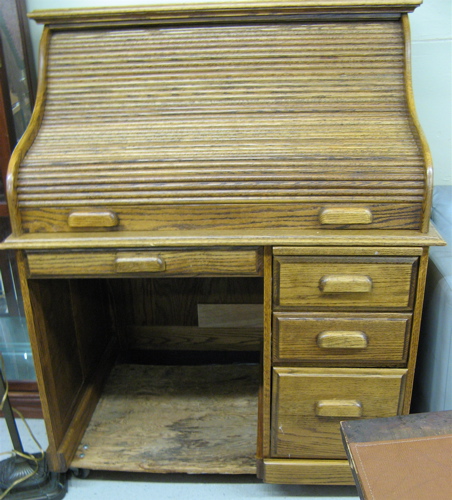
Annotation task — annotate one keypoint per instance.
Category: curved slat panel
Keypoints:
(225, 114)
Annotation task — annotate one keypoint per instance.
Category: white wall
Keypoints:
(431, 34)
(431, 31)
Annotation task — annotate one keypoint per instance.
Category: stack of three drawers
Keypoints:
(342, 325)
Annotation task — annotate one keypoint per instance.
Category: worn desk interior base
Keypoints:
(193, 419)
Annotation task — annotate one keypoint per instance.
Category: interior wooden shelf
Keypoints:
(192, 419)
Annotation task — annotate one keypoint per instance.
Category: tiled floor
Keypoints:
(120, 486)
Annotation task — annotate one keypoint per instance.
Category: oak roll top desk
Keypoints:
(221, 218)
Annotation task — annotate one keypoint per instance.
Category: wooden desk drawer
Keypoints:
(341, 338)
(165, 262)
(371, 282)
(309, 403)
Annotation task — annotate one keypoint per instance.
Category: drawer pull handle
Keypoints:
(338, 408)
(349, 215)
(342, 340)
(345, 283)
(139, 264)
(93, 219)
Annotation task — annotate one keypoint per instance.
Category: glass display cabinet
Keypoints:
(17, 94)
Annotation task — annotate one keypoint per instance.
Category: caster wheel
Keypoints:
(80, 473)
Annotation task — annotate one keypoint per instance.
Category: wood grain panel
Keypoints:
(58, 347)
(238, 216)
(194, 338)
(327, 242)
(359, 251)
(296, 338)
(264, 420)
(298, 281)
(296, 429)
(24, 396)
(296, 471)
(193, 262)
(146, 302)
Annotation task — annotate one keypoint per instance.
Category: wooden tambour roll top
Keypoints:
(265, 115)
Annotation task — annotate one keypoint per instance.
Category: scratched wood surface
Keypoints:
(175, 419)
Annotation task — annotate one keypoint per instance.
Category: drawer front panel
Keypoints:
(344, 282)
(45, 217)
(342, 338)
(309, 403)
(197, 262)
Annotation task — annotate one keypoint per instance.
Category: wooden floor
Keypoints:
(194, 419)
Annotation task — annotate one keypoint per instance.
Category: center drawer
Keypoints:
(371, 282)
(309, 403)
(241, 261)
